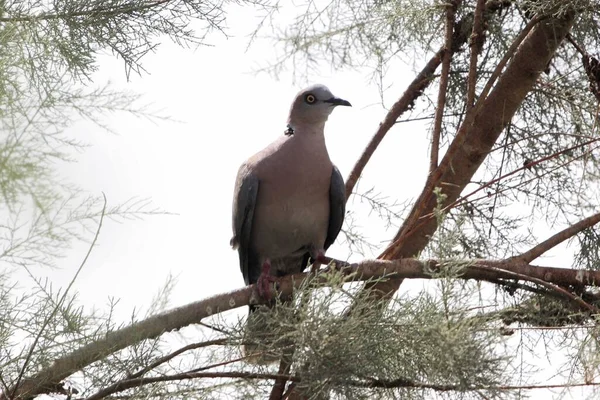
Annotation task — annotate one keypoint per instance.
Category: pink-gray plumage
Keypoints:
(289, 199)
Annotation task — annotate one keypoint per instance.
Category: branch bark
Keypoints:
(476, 137)
(558, 238)
(483, 270)
(462, 30)
(414, 91)
(441, 101)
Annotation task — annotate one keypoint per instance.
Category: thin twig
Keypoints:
(467, 198)
(412, 92)
(500, 170)
(174, 354)
(515, 171)
(558, 238)
(122, 384)
(443, 89)
(574, 298)
(221, 364)
(527, 181)
(60, 302)
(505, 59)
(477, 39)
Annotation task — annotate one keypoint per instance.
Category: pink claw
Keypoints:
(318, 259)
(263, 285)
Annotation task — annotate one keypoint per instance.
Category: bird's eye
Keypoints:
(310, 99)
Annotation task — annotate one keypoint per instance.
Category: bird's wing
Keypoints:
(244, 202)
(337, 206)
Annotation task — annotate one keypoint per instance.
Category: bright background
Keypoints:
(222, 112)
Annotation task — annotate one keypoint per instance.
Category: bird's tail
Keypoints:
(264, 338)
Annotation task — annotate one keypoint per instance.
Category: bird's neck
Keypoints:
(306, 129)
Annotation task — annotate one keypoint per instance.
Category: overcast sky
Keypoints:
(226, 112)
(223, 113)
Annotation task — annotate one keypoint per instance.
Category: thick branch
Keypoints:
(478, 136)
(193, 313)
(462, 30)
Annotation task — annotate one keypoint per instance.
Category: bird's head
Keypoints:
(313, 106)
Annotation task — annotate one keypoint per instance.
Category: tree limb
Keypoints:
(478, 135)
(477, 39)
(558, 238)
(461, 34)
(484, 270)
(414, 90)
(559, 290)
(451, 7)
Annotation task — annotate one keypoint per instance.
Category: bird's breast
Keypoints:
(287, 220)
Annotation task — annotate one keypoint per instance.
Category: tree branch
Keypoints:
(137, 382)
(284, 370)
(174, 354)
(451, 7)
(405, 383)
(476, 137)
(61, 300)
(555, 288)
(412, 92)
(558, 238)
(529, 165)
(366, 383)
(483, 270)
(477, 40)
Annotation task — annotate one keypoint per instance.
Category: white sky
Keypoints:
(188, 167)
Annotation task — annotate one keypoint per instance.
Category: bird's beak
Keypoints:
(336, 101)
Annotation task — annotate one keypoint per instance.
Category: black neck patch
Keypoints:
(289, 131)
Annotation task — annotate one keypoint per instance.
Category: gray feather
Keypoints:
(244, 203)
(337, 206)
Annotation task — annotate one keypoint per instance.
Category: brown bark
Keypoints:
(414, 90)
(476, 138)
(461, 30)
(486, 270)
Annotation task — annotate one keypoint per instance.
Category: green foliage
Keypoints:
(48, 51)
(448, 341)
(413, 341)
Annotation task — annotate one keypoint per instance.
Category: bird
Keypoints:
(289, 198)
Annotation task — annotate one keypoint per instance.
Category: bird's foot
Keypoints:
(318, 257)
(265, 281)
